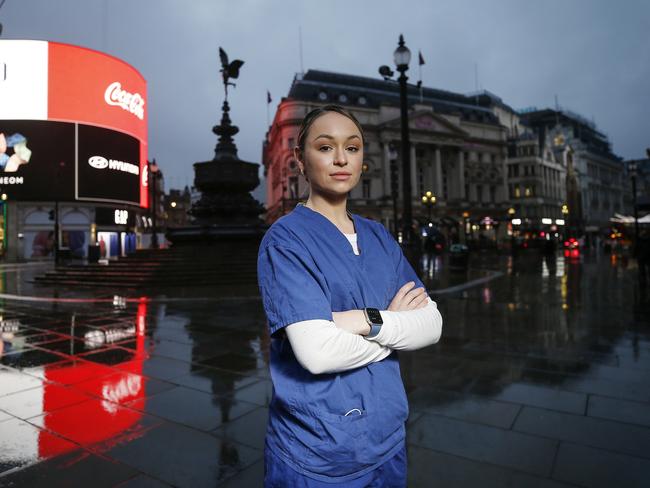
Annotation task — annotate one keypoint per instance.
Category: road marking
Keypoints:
(463, 286)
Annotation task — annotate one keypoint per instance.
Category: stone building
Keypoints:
(599, 172)
(458, 152)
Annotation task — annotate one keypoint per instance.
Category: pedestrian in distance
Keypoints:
(341, 300)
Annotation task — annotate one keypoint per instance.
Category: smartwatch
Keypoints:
(373, 317)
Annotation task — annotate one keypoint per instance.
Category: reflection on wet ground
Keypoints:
(541, 379)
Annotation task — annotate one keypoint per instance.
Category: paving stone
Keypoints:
(428, 468)
(589, 431)
(183, 457)
(249, 477)
(12, 381)
(216, 381)
(143, 481)
(79, 468)
(463, 407)
(544, 397)
(505, 448)
(249, 429)
(45, 398)
(22, 444)
(259, 393)
(193, 408)
(597, 468)
(621, 410)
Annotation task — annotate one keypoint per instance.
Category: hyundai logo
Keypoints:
(98, 162)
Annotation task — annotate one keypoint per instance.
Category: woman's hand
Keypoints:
(352, 321)
(408, 298)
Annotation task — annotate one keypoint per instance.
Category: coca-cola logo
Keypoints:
(131, 102)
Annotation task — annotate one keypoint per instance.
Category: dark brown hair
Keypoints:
(317, 112)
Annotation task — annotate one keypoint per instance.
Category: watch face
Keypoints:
(374, 316)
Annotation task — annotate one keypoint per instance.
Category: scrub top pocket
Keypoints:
(343, 441)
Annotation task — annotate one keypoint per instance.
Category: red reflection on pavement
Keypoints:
(94, 421)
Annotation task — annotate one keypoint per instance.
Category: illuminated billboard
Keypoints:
(73, 125)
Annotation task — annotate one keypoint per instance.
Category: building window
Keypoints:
(479, 193)
(517, 192)
(366, 188)
(528, 191)
(493, 193)
(525, 170)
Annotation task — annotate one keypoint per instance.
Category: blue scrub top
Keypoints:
(306, 270)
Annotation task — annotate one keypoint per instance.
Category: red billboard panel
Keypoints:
(62, 83)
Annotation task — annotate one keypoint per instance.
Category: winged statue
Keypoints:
(229, 69)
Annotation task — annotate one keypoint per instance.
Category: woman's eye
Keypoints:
(353, 148)
(324, 148)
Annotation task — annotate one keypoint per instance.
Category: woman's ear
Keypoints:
(297, 154)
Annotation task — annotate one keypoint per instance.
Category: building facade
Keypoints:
(598, 171)
(458, 153)
(485, 163)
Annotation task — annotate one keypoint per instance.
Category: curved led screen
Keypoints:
(73, 125)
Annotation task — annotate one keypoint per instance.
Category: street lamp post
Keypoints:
(153, 170)
(402, 57)
(632, 169)
(565, 217)
(392, 156)
(429, 199)
(511, 215)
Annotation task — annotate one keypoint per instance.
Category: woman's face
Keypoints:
(333, 155)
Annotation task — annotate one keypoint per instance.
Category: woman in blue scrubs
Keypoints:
(340, 299)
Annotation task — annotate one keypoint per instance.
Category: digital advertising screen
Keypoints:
(73, 125)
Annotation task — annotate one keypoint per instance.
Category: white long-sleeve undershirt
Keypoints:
(321, 347)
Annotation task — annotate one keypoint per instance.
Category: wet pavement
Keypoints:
(541, 379)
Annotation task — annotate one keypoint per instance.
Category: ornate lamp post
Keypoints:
(402, 57)
(429, 199)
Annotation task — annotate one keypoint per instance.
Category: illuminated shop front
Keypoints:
(73, 142)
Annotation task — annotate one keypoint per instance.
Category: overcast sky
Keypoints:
(594, 55)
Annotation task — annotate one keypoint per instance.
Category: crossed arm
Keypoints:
(412, 321)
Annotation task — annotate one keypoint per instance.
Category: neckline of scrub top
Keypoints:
(337, 231)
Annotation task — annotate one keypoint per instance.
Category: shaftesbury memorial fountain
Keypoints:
(226, 211)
